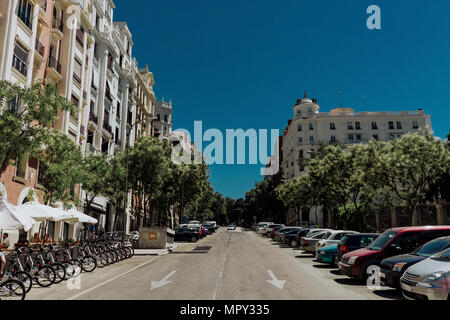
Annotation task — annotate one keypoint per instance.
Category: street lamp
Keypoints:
(126, 156)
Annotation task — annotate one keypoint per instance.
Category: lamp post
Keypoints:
(151, 119)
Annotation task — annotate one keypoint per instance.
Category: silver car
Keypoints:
(335, 237)
(428, 279)
(309, 244)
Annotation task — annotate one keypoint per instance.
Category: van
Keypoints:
(395, 241)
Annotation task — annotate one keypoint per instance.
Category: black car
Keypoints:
(290, 236)
(352, 242)
(189, 234)
(393, 268)
(210, 227)
(293, 239)
(275, 229)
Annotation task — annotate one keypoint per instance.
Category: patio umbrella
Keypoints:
(12, 218)
(41, 212)
(84, 218)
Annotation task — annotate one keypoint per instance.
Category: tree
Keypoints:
(115, 182)
(94, 173)
(60, 161)
(25, 115)
(410, 166)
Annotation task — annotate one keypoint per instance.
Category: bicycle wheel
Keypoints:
(69, 267)
(12, 290)
(88, 264)
(25, 278)
(60, 272)
(45, 277)
(110, 257)
(102, 260)
(77, 266)
(122, 254)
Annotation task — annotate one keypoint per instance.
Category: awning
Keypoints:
(41, 212)
(11, 218)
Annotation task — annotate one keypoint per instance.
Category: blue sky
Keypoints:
(243, 64)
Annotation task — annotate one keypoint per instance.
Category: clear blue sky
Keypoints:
(242, 64)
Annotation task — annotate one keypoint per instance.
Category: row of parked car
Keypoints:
(194, 230)
(415, 260)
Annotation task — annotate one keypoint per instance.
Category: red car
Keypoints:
(392, 242)
(203, 232)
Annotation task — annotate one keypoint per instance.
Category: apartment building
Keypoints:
(77, 46)
(163, 122)
(309, 126)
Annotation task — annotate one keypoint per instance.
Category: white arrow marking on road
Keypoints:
(163, 282)
(275, 282)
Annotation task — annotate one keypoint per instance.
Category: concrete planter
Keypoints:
(155, 238)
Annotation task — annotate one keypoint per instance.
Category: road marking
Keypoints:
(219, 279)
(275, 282)
(163, 282)
(110, 280)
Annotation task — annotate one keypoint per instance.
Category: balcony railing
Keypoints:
(53, 63)
(19, 64)
(44, 5)
(57, 24)
(77, 77)
(93, 118)
(107, 126)
(40, 48)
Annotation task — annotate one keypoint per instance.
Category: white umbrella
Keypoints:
(82, 217)
(40, 212)
(12, 218)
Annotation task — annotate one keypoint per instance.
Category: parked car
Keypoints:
(280, 232)
(293, 239)
(290, 236)
(185, 233)
(270, 227)
(209, 228)
(393, 268)
(271, 234)
(262, 229)
(313, 231)
(334, 238)
(231, 227)
(308, 244)
(259, 224)
(392, 242)
(352, 242)
(327, 254)
(428, 279)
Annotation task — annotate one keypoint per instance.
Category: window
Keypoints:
(309, 111)
(350, 125)
(110, 61)
(118, 110)
(311, 139)
(21, 167)
(415, 125)
(392, 136)
(80, 35)
(350, 137)
(333, 139)
(299, 127)
(14, 104)
(166, 118)
(300, 140)
(90, 137)
(374, 125)
(299, 112)
(399, 125)
(391, 125)
(24, 12)
(311, 126)
(20, 59)
(159, 117)
(300, 154)
(41, 173)
(117, 136)
(105, 146)
(358, 137)
(332, 126)
(358, 125)
(77, 70)
(375, 137)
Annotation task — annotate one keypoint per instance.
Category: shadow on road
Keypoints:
(305, 256)
(349, 281)
(389, 294)
(336, 272)
(323, 266)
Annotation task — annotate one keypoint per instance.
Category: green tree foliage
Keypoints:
(61, 168)
(25, 115)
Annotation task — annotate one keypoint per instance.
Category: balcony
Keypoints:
(57, 28)
(80, 37)
(93, 118)
(40, 48)
(19, 65)
(107, 127)
(77, 78)
(54, 69)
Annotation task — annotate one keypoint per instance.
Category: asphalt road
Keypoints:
(235, 267)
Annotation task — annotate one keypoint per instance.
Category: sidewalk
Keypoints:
(159, 252)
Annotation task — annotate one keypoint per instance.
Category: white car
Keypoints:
(335, 237)
(231, 227)
(428, 279)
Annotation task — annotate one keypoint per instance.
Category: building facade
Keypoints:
(163, 121)
(309, 127)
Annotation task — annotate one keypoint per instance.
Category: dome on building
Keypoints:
(306, 107)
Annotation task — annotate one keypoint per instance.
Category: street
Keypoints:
(237, 266)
